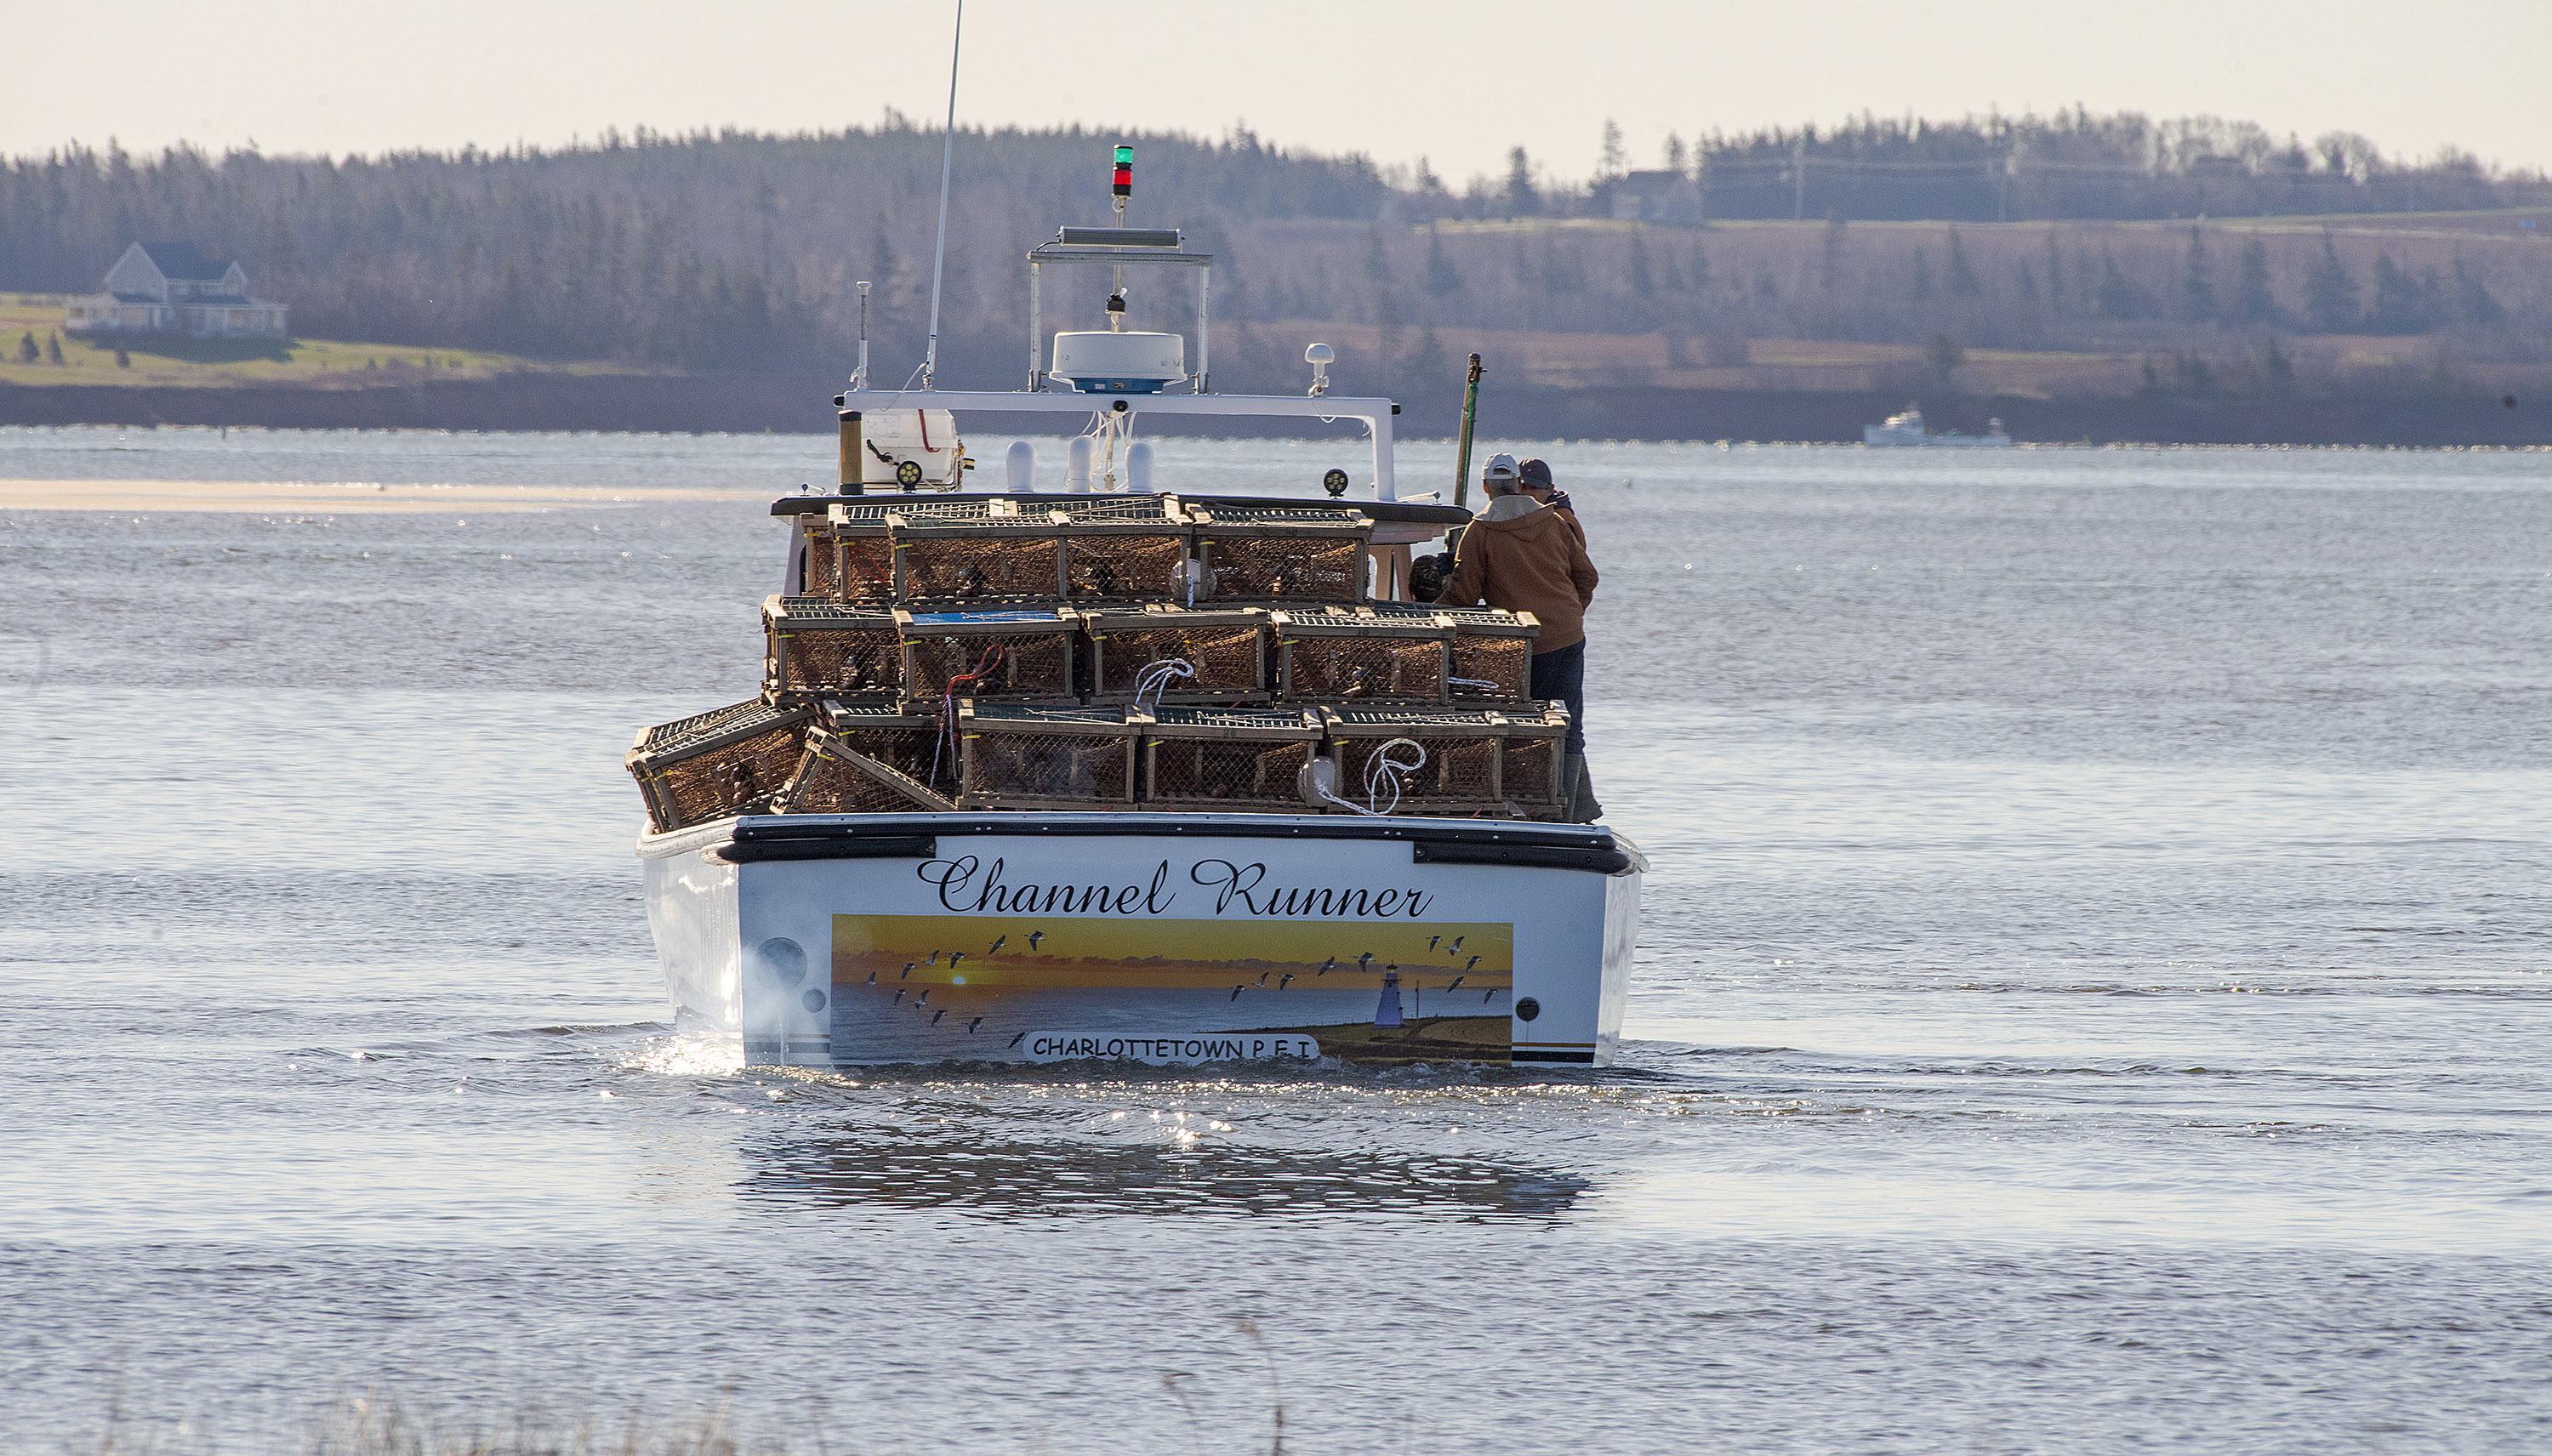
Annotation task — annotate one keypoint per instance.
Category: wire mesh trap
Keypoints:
(950, 561)
(1529, 761)
(1356, 657)
(1418, 761)
(1023, 653)
(1229, 758)
(816, 649)
(834, 777)
(1125, 560)
(1024, 757)
(1224, 653)
(1489, 660)
(1276, 555)
(711, 765)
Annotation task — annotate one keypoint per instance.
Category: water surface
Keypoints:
(2093, 994)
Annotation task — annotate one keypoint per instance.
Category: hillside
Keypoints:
(34, 322)
(732, 255)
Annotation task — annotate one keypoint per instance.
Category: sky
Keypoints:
(1458, 83)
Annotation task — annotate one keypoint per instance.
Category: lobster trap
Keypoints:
(1224, 654)
(818, 649)
(1279, 554)
(1022, 654)
(1017, 755)
(947, 560)
(904, 740)
(1489, 659)
(1128, 549)
(1418, 760)
(848, 555)
(708, 767)
(1357, 656)
(1530, 757)
(1229, 758)
(1125, 560)
(835, 778)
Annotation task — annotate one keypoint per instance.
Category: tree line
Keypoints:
(736, 251)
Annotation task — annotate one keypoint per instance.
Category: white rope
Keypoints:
(1475, 683)
(1156, 680)
(1382, 769)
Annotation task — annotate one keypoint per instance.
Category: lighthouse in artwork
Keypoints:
(1387, 1012)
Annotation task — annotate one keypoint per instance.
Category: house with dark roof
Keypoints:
(173, 289)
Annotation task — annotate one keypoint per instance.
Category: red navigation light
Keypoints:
(1123, 184)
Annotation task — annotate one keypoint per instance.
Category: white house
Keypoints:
(173, 289)
(1657, 197)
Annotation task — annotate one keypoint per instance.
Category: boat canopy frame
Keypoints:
(1374, 413)
(1118, 246)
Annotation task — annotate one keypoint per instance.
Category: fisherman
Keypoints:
(1525, 556)
(1534, 476)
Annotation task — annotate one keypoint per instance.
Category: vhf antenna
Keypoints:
(1123, 187)
(947, 152)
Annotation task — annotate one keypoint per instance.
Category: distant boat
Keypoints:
(1907, 429)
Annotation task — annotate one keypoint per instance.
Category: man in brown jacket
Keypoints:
(1525, 557)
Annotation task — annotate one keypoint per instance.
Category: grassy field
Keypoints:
(162, 361)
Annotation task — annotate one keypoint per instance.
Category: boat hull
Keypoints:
(1158, 938)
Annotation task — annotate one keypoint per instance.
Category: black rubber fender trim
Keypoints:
(1519, 856)
(837, 847)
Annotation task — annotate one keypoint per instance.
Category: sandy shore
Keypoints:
(319, 496)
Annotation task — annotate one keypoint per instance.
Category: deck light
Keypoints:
(1123, 185)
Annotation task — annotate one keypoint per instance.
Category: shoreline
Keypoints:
(336, 498)
(796, 404)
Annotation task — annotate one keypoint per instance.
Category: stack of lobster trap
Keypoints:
(1127, 653)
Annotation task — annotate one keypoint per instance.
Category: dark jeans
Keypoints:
(1561, 674)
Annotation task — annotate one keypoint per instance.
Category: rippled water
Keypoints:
(2094, 998)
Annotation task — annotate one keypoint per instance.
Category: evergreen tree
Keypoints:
(2252, 302)
(1944, 355)
(2197, 280)
(1613, 162)
(1428, 364)
(1962, 279)
(1520, 198)
(2118, 296)
(54, 348)
(123, 360)
(2401, 305)
(2472, 303)
(1675, 157)
(2330, 293)
(29, 351)
(1441, 276)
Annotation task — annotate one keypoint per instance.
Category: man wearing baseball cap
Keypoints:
(1534, 476)
(1525, 556)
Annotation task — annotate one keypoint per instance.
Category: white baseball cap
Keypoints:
(1500, 465)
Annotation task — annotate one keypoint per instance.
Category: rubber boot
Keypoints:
(1582, 806)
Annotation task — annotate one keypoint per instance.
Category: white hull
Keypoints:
(1881, 435)
(818, 941)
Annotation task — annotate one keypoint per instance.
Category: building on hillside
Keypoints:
(173, 289)
(1662, 196)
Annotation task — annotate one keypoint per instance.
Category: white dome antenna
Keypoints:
(1319, 356)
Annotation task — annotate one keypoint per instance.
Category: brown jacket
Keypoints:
(1532, 563)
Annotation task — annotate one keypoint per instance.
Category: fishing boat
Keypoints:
(1100, 767)
(1907, 428)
